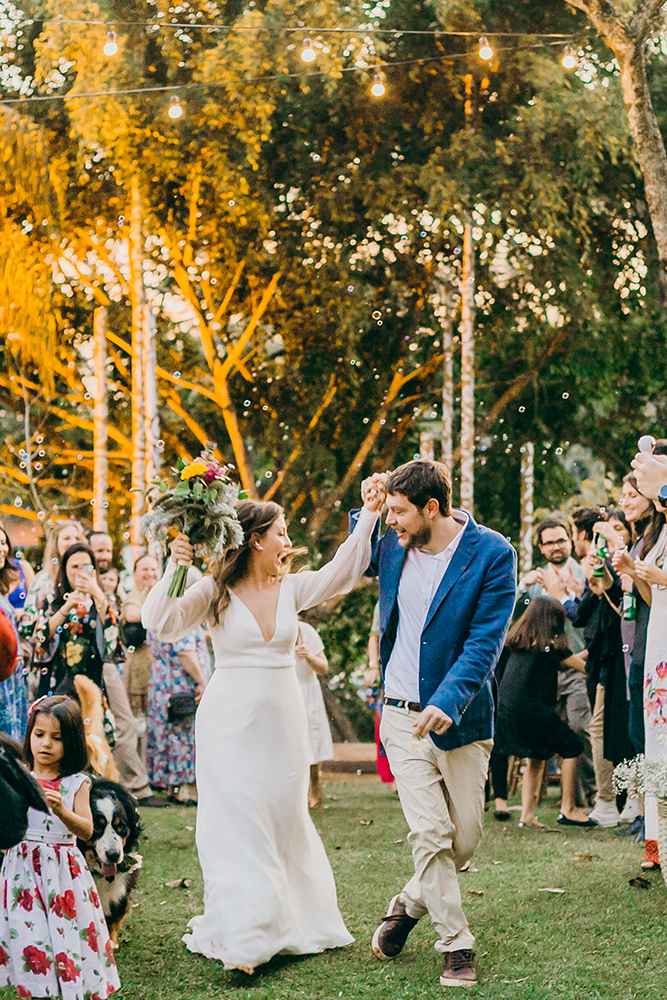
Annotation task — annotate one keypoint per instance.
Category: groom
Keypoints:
(447, 590)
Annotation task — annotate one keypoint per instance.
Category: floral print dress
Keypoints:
(170, 746)
(53, 936)
(655, 701)
(14, 691)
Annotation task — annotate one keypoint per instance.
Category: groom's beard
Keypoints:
(420, 538)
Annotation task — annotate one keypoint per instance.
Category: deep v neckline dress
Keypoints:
(268, 884)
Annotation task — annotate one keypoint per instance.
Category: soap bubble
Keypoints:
(303, 520)
(350, 288)
(566, 395)
(625, 648)
(54, 561)
(559, 451)
(177, 374)
(18, 502)
(246, 402)
(522, 409)
(268, 475)
(41, 515)
(159, 445)
(377, 314)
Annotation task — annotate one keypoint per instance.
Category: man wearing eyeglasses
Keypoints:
(574, 706)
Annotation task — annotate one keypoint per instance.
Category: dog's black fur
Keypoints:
(116, 831)
(18, 792)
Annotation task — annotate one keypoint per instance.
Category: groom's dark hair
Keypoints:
(421, 481)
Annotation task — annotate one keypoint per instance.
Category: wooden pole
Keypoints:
(527, 492)
(447, 435)
(151, 418)
(426, 446)
(468, 371)
(138, 429)
(100, 418)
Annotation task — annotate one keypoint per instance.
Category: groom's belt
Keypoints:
(411, 706)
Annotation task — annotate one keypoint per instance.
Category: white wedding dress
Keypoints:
(268, 885)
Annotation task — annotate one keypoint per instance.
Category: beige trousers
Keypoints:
(132, 772)
(442, 796)
(604, 769)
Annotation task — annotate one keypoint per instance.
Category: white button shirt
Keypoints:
(421, 576)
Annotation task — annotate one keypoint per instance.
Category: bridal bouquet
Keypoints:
(202, 504)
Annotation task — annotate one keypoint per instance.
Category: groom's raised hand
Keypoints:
(431, 719)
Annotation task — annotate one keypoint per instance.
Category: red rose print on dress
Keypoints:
(108, 948)
(4, 957)
(67, 970)
(65, 905)
(94, 899)
(36, 862)
(24, 900)
(23, 992)
(36, 961)
(90, 935)
(74, 867)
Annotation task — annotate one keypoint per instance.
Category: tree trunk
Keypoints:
(527, 491)
(447, 436)
(100, 435)
(468, 372)
(648, 141)
(138, 430)
(151, 418)
(627, 37)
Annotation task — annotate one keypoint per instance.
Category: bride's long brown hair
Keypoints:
(255, 517)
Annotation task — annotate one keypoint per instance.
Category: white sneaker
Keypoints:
(605, 813)
(631, 811)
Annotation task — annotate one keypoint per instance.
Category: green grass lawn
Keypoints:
(600, 938)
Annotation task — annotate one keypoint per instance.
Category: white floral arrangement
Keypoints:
(642, 776)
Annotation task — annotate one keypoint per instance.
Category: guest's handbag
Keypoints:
(180, 706)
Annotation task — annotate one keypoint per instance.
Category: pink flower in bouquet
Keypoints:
(212, 473)
(661, 669)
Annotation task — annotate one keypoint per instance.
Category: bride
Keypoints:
(268, 885)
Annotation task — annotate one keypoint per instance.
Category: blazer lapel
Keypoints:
(461, 559)
(392, 573)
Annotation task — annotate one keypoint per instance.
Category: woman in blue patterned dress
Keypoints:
(179, 668)
(13, 691)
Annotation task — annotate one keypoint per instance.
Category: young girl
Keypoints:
(53, 937)
(528, 724)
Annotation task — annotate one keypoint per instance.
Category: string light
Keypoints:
(569, 59)
(175, 109)
(485, 50)
(378, 89)
(40, 98)
(308, 53)
(111, 46)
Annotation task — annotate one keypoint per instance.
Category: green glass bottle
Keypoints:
(629, 607)
(602, 552)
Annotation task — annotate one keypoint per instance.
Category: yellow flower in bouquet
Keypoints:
(196, 468)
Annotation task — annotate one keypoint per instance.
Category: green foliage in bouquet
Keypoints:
(202, 504)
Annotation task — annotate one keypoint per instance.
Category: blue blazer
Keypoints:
(465, 628)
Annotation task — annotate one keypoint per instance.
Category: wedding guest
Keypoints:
(447, 589)
(126, 753)
(59, 539)
(75, 628)
(26, 574)
(268, 885)
(13, 691)
(109, 580)
(138, 658)
(573, 706)
(374, 684)
(312, 663)
(529, 724)
(179, 674)
(651, 570)
(54, 940)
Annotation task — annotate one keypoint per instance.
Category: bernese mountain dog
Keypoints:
(111, 851)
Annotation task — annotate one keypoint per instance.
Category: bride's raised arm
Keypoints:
(345, 570)
(171, 618)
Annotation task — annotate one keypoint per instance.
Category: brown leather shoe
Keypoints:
(459, 969)
(390, 937)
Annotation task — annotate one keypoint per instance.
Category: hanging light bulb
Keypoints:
(485, 50)
(110, 46)
(175, 109)
(378, 89)
(569, 59)
(308, 53)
